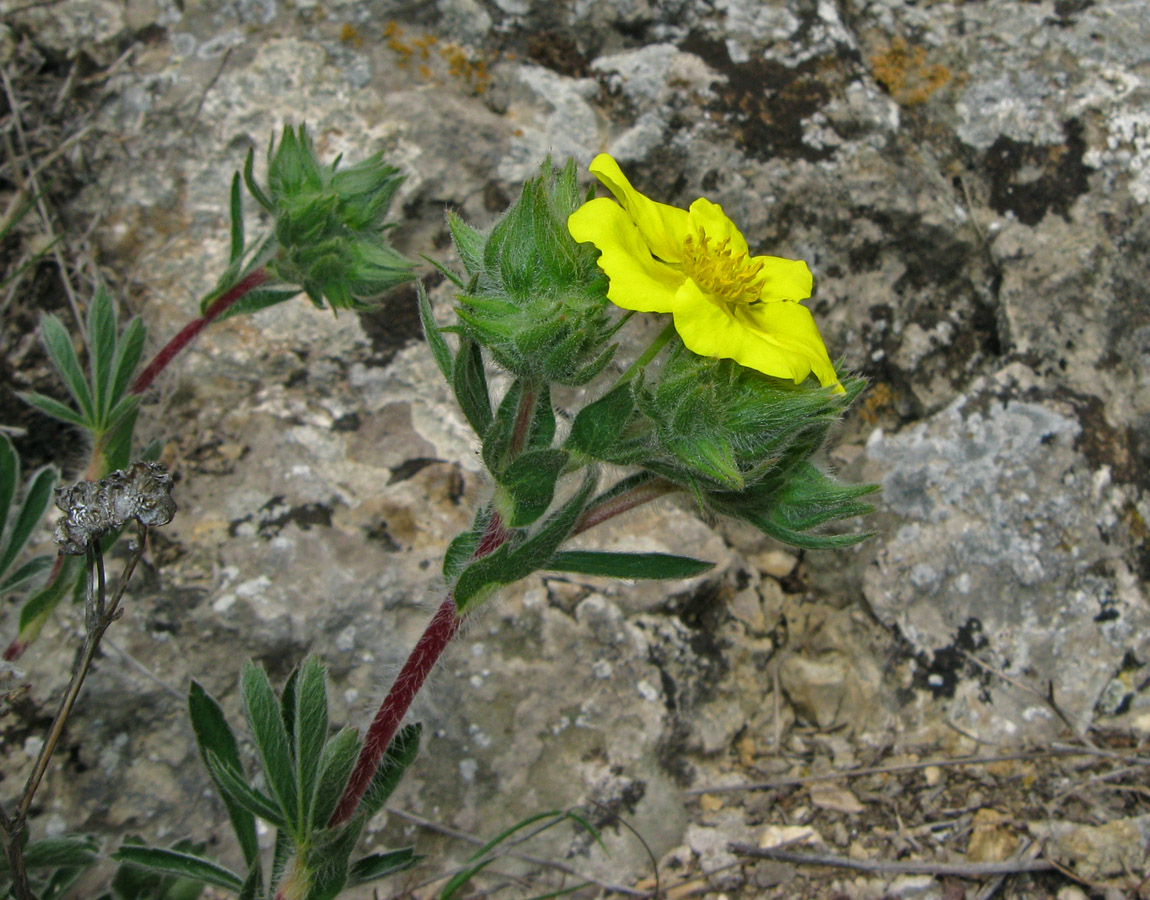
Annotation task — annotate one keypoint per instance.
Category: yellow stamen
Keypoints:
(720, 271)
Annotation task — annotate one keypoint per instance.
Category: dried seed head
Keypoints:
(142, 491)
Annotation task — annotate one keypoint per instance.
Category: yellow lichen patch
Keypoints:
(349, 34)
(878, 401)
(461, 64)
(904, 72)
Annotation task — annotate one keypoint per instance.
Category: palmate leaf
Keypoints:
(234, 787)
(39, 606)
(310, 733)
(335, 767)
(102, 349)
(214, 737)
(26, 573)
(54, 853)
(179, 864)
(128, 350)
(271, 738)
(53, 408)
(380, 865)
(133, 882)
(58, 343)
(37, 499)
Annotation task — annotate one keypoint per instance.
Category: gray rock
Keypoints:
(1000, 549)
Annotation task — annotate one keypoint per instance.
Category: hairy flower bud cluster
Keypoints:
(143, 491)
(329, 223)
(536, 299)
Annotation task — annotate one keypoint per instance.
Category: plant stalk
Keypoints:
(189, 332)
(99, 619)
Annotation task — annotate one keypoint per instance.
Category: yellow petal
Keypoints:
(663, 227)
(638, 280)
(778, 339)
(710, 217)
(784, 279)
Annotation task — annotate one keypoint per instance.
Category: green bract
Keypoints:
(329, 233)
(535, 299)
(739, 440)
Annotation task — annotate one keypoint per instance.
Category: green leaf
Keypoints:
(53, 408)
(338, 760)
(237, 216)
(380, 865)
(254, 301)
(39, 606)
(214, 735)
(102, 347)
(181, 865)
(484, 857)
(461, 550)
(311, 720)
(401, 752)
(510, 563)
(470, 384)
(530, 484)
(234, 788)
(37, 499)
(329, 865)
(281, 853)
(117, 439)
(61, 852)
(627, 565)
(599, 426)
(253, 886)
(29, 571)
(132, 882)
(272, 743)
(469, 242)
(439, 348)
(9, 480)
(542, 431)
(58, 343)
(253, 186)
(128, 350)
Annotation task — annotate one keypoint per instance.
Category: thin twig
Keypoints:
(144, 670)
(207, 90)
(447, 831)
(885, 867)
(41, 206)
(839, 774)
(1047, 698)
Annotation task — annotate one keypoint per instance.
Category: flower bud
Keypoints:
(536, 299)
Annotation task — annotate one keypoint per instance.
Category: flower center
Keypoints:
(720, 271)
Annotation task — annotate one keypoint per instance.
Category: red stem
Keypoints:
(444, 626)
(188, 333)
(621, 503)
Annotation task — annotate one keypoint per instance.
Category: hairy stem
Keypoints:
(444, 626)
(621, 503)
(188, 333)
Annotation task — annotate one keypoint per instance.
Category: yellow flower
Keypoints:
(694, 264)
